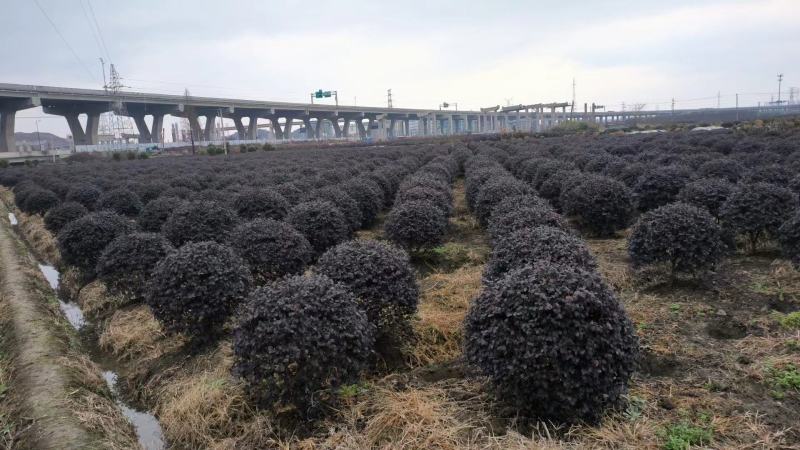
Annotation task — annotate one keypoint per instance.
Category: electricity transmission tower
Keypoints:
(116, 123)
(389, 98)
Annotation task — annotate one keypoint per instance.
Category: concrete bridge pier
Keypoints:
(237, 122)
(252, 127)
(345, 128)
(309, 128)
(407, 128)
(80, 135)
(149, 134)
(208, 129)
(8, 118)
(337, 131)
(362, 132)
(276, 127)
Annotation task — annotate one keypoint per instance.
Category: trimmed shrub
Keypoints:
(322, 223)
(507, 222)
(60, 215)
(84, 193)
(537, 245)
(298, 336)
(416, 225)
(554, 340)
(725, 168)
(601, 205)
(660, 186)
(195, 289)
(126, 263)
(789, 239)
(82, 241)
(271, 248)
(552, 187)
(421, 193)
(685, 237)
(514, 202)
(794, 184)
(709, 193)
(757, 210)
(120, 201)
(38, 201)
(475, 178)
(381, 277)
(156, 213)
(345, 204)
(772, 173)
(199, 221)
(495, 190)
(369, 197)
(261, 203)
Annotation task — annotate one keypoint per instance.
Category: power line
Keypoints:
(91, 27)
(99, 31)
(53, 24)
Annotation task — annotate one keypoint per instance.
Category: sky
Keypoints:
(473, 53)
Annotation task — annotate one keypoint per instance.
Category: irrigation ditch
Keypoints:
(106, 419)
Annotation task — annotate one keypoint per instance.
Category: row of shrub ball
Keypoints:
(221, 246)
(546, 329)
(418, 219)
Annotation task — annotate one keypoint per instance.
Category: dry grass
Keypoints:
(134, 334)
(92, 403)
(443, 304)
(42, 241)
(96, 301)
(612, 262)
(206, 407)
(7, 196)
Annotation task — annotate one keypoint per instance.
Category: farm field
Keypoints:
(513, 292)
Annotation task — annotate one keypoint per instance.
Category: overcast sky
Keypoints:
(476, 54)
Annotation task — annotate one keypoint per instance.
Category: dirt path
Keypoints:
(41, 380)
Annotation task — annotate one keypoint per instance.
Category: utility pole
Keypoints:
(780, 80)
(38, 136)
(737, 107)
(191, 131)
(572, 108)
(719, 95)
(389, 98)
(673, 106)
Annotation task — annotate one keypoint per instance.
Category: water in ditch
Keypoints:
(148, 430)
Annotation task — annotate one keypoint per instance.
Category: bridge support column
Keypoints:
(252, 128)
(276, 128)
(144, 131)
(391, 134)
(451, 125)
(345, 133)
(309, 129)
(237, 121)
(406, 128)
(7, 120)
(208, 131)
(318, 129)
(336, 130)
(81, 136)
(362, 132)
